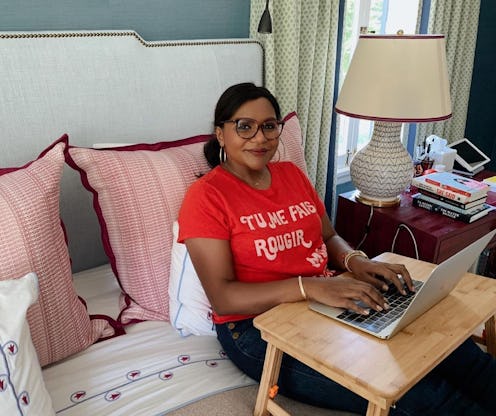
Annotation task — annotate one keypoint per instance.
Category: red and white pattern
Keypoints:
(291, 142)
(32, 240)
(137, 195)
(148, 371)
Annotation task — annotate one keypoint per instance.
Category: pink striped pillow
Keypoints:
(137, 193)
(291, 142)
(32, 240)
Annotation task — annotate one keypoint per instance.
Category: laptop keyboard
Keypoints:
(377, 321)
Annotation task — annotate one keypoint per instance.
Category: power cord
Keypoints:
(367, 228)
(411, 235)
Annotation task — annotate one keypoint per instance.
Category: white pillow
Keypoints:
(189, 308)
(22, 389)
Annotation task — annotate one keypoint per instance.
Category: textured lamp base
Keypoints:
(383, 169)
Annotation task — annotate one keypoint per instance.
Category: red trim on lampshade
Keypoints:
(394, 120)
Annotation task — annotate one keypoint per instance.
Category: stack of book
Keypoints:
(452, 195)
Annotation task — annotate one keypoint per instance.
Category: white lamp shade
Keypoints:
(398, 78)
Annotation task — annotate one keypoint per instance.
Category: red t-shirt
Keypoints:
(274, 233)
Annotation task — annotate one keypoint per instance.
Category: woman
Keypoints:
(259, 235)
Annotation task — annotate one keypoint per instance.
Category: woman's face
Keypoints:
(249, 154)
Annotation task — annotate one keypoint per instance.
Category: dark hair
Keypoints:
(229, 102)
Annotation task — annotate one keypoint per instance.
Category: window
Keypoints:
(373, 16)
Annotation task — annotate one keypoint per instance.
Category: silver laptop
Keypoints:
(405, 309)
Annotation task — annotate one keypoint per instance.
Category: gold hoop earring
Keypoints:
(278, 156)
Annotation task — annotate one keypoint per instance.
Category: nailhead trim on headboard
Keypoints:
(147, 44)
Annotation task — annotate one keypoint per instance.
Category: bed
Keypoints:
(101, 133)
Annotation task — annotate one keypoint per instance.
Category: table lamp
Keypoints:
(392, 79)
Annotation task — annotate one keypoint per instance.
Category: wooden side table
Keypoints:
(437, 237)
(381, 371)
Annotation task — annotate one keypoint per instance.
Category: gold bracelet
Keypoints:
(302, 289)
(351, 254)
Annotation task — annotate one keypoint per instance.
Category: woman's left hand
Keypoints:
(381, 274)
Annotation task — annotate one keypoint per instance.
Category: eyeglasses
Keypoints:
(247, 128)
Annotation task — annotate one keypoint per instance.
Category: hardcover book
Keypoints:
(477, 213)
(436, 198)
(452, 186)
(447, 205)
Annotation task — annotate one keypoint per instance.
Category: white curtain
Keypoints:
(458, 21)
(300, 58)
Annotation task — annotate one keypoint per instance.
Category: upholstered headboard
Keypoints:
(109, 86)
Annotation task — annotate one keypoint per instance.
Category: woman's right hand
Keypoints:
(344, 292)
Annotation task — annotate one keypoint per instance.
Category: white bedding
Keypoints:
(151, 370)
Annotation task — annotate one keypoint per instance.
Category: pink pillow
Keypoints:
(32, 240)
(137, 192)
(291, 142)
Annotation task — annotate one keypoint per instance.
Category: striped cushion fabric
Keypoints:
(137, 193)
(291, 142)
(32, 240)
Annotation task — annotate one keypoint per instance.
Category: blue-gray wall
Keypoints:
(152, 19)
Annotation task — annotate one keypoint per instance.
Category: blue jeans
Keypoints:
(463, 384)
